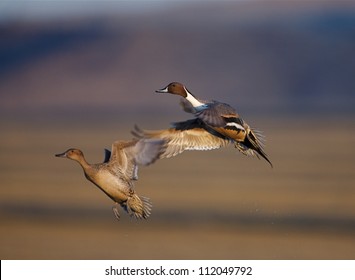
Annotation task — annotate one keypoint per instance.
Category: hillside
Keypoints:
(274, 56)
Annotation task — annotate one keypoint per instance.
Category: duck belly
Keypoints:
(114, 187)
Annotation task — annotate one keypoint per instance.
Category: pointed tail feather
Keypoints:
(253, 145)
(253, 142)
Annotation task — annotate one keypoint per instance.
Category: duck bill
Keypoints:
(62, 155)
(163, 90)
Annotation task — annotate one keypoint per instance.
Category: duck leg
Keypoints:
(115, 211)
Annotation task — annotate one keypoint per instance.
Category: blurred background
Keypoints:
(82, 73)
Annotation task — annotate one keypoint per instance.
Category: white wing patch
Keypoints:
(238, 126)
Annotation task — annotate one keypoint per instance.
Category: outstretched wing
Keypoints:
(126, 155)
(187, 135)
(146, 151)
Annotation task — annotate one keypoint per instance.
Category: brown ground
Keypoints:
(207, 205)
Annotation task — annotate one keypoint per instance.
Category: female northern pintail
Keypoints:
(116, 174)
(216, 125)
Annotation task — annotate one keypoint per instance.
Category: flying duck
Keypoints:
(116, 174)
(216, 125)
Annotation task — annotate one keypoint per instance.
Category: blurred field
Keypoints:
(207, 205)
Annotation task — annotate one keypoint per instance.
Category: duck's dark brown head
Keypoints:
(174, 88)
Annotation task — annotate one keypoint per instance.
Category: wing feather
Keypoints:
(126, 155)
(186, 135)
(217, 114)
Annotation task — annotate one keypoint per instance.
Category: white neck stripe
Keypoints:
(194, 102)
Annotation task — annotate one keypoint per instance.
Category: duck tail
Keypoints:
(253, 144)
(138, 206)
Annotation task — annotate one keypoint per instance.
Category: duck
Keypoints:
(215, 125)
(116, 174)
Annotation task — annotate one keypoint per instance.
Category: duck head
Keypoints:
(74, 154)
(174, 88)
(179, 89)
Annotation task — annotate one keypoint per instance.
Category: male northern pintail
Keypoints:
(216, 125)
(116, 174)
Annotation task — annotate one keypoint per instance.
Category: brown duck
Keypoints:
(116, 174)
